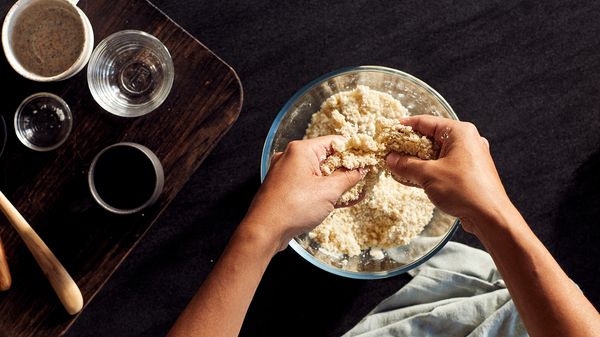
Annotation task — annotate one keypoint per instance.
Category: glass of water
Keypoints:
(130, 73)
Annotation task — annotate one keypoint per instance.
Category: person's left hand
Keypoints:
(295, 197)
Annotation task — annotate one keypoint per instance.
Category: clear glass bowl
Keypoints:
(290, 124)
(43, 121)
(130, 73)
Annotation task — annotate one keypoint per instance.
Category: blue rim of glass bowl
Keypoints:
(264, 167)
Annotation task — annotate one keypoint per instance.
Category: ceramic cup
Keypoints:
(7, 36)
(125, 178)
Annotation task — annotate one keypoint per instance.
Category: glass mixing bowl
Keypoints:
(290, 124)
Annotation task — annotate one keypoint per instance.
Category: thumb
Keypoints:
(342, 179)
(411, 168)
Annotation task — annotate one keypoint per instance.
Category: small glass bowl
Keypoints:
(43, 121)
(291, 123)
(130, 73)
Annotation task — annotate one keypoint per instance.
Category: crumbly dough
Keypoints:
(363, 150)
(391, 214)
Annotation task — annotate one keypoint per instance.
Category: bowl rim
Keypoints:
(68, 118)
(268, 145)
(137, 110)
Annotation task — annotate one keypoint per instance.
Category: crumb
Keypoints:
(376, 253)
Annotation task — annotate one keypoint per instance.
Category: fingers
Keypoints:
(405, 182)
(413, 169)
(426, 124)
(320, 146)
(431, 126)
(351, 203)
(342, 180)
(276, 157)
(485, 142)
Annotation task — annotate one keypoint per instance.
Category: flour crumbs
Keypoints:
(391, 214)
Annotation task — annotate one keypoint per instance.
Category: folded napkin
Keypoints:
(458, 292)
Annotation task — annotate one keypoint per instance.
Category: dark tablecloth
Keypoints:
(526, 73)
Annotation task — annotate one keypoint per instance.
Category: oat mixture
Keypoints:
(391, 214)
(362, 150)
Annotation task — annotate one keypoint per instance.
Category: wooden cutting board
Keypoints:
(50, 189)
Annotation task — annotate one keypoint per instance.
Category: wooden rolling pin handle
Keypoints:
(66, 289)
(5, 279)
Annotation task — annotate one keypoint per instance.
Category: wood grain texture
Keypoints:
(5, 278)
(50, 189)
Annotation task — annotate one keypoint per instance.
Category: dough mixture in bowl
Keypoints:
(391, 214)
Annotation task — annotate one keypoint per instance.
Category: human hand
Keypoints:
(463, 181)
(295, 197)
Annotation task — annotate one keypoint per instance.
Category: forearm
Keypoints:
(219, 306)
(548, 301)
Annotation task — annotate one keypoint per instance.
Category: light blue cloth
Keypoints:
(458, 292)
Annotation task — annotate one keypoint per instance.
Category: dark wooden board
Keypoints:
(50, 189)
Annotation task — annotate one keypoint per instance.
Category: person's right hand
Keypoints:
(463, 181)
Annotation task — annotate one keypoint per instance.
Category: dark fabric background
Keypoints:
(526, 73)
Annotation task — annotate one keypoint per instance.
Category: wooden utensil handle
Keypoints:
(64, 286)
(5, 279)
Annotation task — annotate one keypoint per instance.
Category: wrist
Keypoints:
(258, 236)
(496, 220)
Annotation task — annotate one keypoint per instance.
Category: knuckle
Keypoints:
(485, 142)
(402, 164)
(293, 146)
(276, 157)
(470, 126)
(470, 129)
